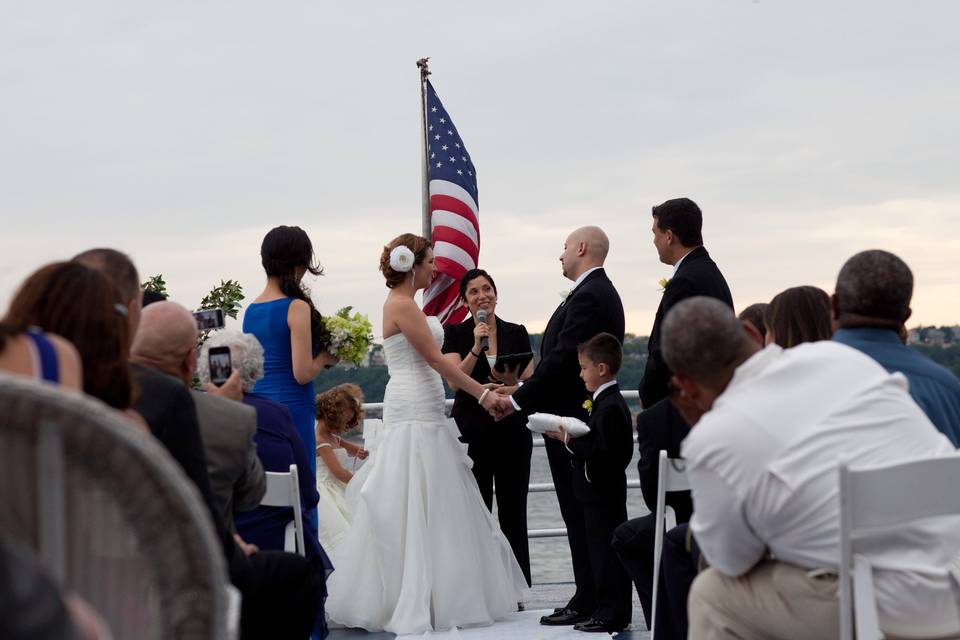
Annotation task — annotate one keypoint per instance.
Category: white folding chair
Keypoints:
(670, 477)
(876, 499)
(283, 490)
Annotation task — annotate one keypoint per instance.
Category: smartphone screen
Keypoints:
(209, 319)
(220, 365)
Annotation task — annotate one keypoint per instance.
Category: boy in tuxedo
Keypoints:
(600, 459)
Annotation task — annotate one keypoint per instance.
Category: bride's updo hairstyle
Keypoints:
(284, 249)
(417, 245)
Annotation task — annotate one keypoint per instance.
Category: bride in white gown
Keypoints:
(422, 552)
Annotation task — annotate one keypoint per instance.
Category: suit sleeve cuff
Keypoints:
(516, 407)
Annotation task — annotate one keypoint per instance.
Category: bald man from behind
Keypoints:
(593, 306)
(281, 592)
(167, 341)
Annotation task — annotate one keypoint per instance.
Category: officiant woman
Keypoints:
(500, 450)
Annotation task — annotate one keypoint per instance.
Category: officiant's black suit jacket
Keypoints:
(600, 458)
(697, 275)
(555, 387)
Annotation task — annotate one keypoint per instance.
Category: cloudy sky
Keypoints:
(181, 132)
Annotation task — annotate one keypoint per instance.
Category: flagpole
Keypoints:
(424, 167)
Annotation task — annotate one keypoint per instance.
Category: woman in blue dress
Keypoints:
(287, 324)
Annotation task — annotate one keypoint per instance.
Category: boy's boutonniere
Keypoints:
(663, 282)
(588, 405)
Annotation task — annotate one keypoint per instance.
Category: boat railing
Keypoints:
(375, 410)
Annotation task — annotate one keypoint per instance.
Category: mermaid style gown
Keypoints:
(422, 551)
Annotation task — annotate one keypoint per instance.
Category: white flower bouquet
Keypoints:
(347, 336)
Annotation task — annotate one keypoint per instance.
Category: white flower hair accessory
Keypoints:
(401, 258)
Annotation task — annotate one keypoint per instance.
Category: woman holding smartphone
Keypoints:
(285, 322)
(500, 450)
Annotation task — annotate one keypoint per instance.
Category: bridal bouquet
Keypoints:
(346, 336)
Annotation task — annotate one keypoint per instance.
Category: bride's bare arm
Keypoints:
(410, 320)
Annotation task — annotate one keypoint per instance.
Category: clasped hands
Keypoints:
(497, 402)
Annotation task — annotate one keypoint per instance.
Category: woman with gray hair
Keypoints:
(278, 446)
(246, 356)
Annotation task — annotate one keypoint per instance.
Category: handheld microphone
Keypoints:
(484, 341)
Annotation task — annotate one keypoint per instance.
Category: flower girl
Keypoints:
(338, 410)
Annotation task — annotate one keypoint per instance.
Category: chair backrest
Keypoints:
(109, 513)
(671, 476)
(283, 490)
(876, 498)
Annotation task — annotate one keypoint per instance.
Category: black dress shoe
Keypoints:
(594, 625)
(564, 617)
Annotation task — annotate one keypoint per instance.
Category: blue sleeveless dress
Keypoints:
(268, 322)
(49, 364)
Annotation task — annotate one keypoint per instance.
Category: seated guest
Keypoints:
(797, 315)
(871, 304)
(166, 341)
(794, 316)
(44, 356)
(282, 595)
(753, 315)
(338, 410)
(82, 306)
(599, 482)
(278, 446)
(120, 270)
(762, 465)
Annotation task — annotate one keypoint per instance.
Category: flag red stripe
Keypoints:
(446, 299)
(452, 268)
(451, 204)
(454, 237)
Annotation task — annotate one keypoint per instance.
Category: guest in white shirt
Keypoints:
(762, 463)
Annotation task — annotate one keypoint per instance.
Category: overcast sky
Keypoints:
(181, 132)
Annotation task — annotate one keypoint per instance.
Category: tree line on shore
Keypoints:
(373, 379)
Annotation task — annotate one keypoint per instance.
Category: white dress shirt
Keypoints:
(676, 265)
(583, 276)
(605, 385)
(762, 465)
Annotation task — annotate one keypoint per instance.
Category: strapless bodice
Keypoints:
(414, 391)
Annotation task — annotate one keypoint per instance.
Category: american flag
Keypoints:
(454, 213)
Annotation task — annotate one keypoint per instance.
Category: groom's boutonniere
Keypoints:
(588, 405)
(565, 294)
(663, 282)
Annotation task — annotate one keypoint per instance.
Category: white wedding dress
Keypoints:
(422, 552)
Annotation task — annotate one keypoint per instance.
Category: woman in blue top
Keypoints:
(287, 324)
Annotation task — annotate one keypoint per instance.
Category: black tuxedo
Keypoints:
(592, 307)
(697, 275)
(601, 457)
(600, 484)
(500, 450)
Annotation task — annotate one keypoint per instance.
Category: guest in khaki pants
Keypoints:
(768, 427)
(774, 599)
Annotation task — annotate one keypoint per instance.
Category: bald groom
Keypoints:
(593, 306)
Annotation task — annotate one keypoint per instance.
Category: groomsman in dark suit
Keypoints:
(593, 306)
(678, 239)
(600, 459)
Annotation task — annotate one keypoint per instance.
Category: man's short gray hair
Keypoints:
(246, 356)
(875, 285)
(703, 340)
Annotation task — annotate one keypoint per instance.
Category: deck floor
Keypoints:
(523, 625)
